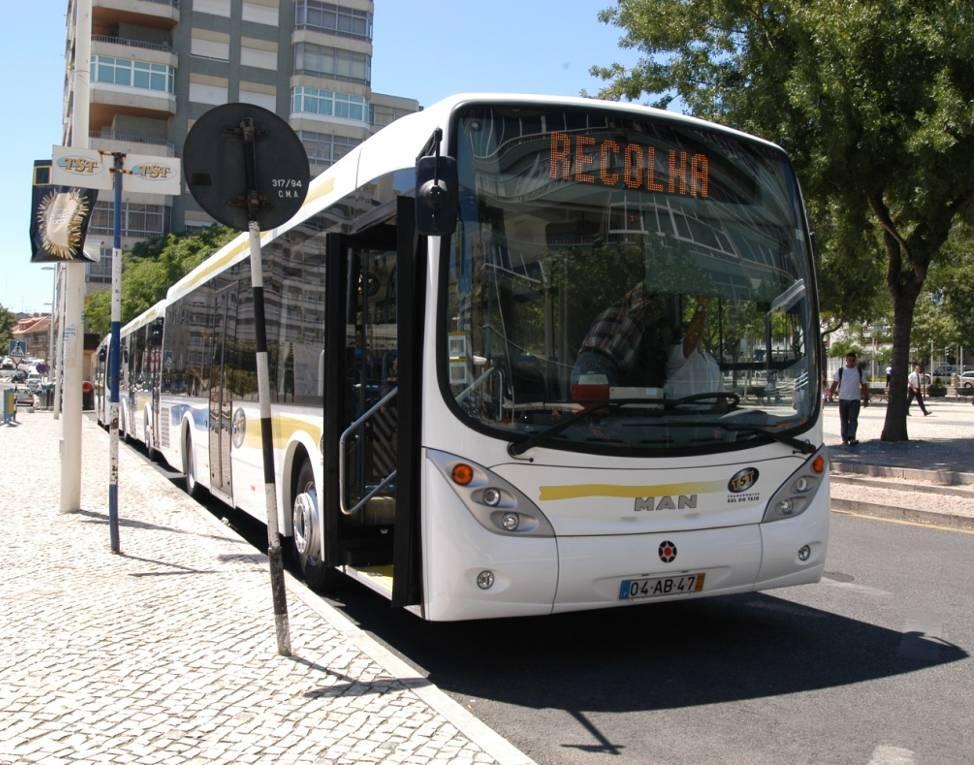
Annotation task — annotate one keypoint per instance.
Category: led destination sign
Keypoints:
(606, 162)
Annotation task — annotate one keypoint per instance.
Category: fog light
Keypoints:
(804, 553)
(802, 484)
(511, 521)
(491, 496)
(786, 506)
(485, 580)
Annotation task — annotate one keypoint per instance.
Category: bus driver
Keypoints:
(633, 344)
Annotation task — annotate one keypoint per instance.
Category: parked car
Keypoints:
(969, 373)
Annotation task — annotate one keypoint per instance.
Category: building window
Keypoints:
(312, 14)
(335, 62)
(323, 149)
(137, 219)
(133, 74)
(100, 272)
(329, 104)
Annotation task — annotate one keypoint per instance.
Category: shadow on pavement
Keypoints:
(665, 656)
(950, 454)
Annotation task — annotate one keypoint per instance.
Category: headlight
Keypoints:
(797, 493)
(497, 505)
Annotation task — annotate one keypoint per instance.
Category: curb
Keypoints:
(942, 477)
(478, 732)
(909, 514)
(855, 479)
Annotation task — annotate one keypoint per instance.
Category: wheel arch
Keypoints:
(300, 447)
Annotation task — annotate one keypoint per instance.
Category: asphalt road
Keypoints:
(870, 667)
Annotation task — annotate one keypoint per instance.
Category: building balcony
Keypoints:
(108, 100)
(125, 41)
(120, 47)
(108, 139)
(157, 13)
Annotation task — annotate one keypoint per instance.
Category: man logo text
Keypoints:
(683, 502)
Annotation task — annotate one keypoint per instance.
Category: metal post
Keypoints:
(59, 345)
(50, 324)
(267, 441)
(114, 356)
(74, 287)
(274, 555)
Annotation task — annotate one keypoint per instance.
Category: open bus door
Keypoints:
(373, 333)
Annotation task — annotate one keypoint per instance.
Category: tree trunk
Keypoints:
(904, 302)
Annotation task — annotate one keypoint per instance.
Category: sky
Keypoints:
(423, 49)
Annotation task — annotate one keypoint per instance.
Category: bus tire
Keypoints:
(150, 449)
(306, 534)
(189, 468)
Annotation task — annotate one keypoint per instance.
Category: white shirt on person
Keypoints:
(913, 381)
(850, 382)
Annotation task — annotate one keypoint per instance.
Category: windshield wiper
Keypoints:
(515, 448)
(803, 446)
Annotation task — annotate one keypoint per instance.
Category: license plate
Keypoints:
(654, 587)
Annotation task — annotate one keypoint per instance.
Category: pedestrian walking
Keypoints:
(852, 385)
(914, 382)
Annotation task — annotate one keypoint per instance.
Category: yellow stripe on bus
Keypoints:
(282, 428)
(579, 490)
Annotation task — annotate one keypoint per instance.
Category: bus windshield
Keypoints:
(604, 256)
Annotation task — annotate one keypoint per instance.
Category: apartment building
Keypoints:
(157, 65)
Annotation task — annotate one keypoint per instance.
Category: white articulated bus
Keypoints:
(139, 378)
(596, 384)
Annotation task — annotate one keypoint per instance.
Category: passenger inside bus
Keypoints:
(628, 343)
(690, 368)
(637, 343)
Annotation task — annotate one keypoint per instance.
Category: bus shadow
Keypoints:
(665, 656)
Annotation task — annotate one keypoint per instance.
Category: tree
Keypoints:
(152, 267)
(873, 100)
(6, 325)
(954, 280)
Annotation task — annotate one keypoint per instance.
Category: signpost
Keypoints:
(249, 170)
(90, 168)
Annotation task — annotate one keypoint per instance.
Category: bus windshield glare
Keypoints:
(610, 257)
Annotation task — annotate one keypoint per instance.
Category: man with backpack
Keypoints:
(853, 387)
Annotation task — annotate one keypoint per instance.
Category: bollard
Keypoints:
(9, 406)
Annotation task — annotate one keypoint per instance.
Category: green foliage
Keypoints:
(6, 324)
(874, 102)
(953, 279)
(151, 268)
(840, 348)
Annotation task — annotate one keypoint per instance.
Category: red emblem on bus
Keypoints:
(667, 551)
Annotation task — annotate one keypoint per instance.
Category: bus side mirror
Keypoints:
(436, 195)
(102, 355)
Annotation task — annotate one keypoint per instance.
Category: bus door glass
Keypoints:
(371, 371)
(221, 402)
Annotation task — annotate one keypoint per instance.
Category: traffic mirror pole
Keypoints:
(114, 355)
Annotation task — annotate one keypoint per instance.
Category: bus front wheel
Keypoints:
(306, 536)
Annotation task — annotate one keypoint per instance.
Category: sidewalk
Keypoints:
(167, 653)
(929, 479)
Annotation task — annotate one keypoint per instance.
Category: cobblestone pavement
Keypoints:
(167, 652)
